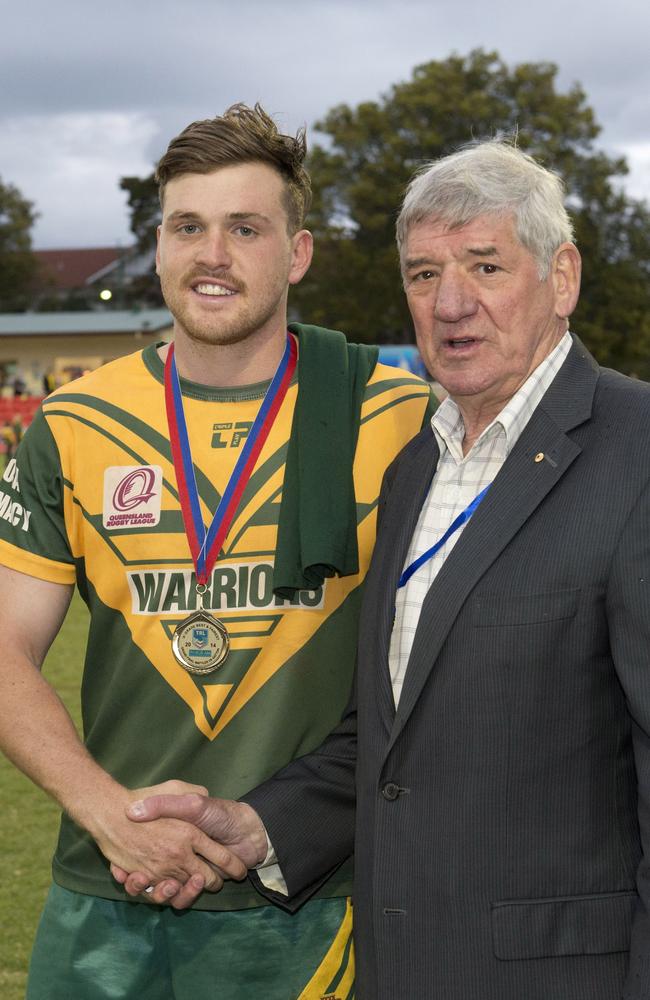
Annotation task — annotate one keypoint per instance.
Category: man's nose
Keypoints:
(455, 298)
(213, 251)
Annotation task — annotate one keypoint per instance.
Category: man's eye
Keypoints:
(245, 231)
(423, 276)
(189, 229)
(488, 268)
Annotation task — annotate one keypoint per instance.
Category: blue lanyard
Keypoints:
(454, 526)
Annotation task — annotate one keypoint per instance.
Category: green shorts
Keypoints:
(88, 948)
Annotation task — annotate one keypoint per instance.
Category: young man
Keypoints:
(215, 504)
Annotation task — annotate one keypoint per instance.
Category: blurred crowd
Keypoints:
(10, 436)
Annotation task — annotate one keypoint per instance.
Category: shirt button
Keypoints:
(390, 791)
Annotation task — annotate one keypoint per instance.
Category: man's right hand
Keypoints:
(171, 847)
(47, 748)
(235, 825)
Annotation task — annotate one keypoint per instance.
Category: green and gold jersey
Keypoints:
(92, 498)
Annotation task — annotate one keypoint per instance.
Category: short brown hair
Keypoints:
(241, 135)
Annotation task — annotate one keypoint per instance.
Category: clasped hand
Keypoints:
(234, 826)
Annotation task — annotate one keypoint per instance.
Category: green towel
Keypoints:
(317, 531)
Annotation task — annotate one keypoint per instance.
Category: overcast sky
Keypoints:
(91, 91)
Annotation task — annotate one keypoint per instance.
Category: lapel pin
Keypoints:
(539, 457)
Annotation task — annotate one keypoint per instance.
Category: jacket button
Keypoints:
(390, 791)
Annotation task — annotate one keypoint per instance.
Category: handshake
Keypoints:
(187, 843)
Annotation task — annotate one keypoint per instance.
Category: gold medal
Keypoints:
(200, 643)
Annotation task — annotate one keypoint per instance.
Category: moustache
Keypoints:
(219, 277)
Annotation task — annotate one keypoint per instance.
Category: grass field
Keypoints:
(29, 821)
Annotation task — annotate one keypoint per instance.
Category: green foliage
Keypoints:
(145, 209)
(145, 217)
(613, 315)
(18, 265)
(373, 149)
(29, 820)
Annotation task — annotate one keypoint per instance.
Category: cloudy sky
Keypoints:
(91, 91)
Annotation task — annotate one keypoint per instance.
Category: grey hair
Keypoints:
(492, 177)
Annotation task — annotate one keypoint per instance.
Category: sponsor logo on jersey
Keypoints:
(235, 587)
(230, 435)
(132, 496)
(10, 475)
(12, 511)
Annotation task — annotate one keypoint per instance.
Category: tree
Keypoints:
(359, 180)
(145, 209)
(145, 216)
(18, 265)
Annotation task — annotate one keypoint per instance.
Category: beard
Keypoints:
(203, 328)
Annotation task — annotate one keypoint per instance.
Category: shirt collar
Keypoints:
(447, 422)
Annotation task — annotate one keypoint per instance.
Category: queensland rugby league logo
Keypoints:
(132, 496)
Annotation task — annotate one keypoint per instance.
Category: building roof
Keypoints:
(69, 269)
(91, 322)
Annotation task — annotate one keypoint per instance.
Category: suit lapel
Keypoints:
(400, 518)
(517, 491)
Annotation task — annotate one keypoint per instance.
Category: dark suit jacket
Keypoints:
(503, 812)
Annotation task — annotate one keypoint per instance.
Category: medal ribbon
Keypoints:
(206, 545)
(454, 526)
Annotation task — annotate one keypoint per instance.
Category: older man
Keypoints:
(500, 743)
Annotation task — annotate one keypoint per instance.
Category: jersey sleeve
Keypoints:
(33, 536)
(391, 388)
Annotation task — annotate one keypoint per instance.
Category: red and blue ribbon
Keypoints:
(205, 545)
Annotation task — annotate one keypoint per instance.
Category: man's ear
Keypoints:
(301, 255)
(566, 268)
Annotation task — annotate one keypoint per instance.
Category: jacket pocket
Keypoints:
(569, 925)
(494, 610)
